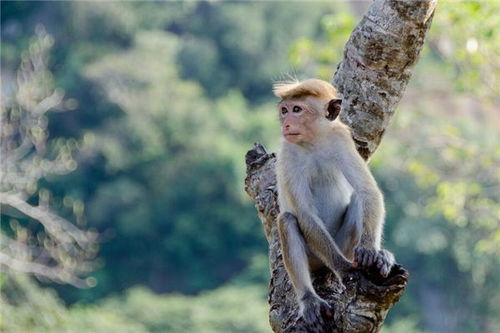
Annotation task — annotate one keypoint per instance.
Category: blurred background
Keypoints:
(124, 127)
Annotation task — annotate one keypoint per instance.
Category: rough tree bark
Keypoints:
(371, 78)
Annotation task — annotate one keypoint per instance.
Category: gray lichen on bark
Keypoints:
(371, 78)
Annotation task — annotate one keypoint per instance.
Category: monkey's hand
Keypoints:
(365, 257)
(313, 308)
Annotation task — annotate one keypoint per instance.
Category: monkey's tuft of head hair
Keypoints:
(310, 87)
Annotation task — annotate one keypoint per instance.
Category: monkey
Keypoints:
(332, 211)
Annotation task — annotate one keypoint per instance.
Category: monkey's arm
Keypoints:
(369, 201)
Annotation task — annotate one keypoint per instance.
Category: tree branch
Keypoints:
(59, 228)
(52, 273)
(372, 77)
(377, 64)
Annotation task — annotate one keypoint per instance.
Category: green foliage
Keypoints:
(465, 42)
(243, 45)
(37, 239)
(407, 325)
(29, 308)
(215, 311)
(441, 190)
(315, 58)
(166, 100)
(172, 148)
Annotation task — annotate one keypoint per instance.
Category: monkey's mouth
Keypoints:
(292, 134)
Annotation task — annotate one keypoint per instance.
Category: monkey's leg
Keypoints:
(296, 263)
(349, 234)
(322, 244)
(294, 253)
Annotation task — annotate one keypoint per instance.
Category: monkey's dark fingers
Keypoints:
(369, 258)
(358, 256)
(380, 262)
(385, 270)
(389, 257)
(385, 261)
(366, 259)
(383, 266)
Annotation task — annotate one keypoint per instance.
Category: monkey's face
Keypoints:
(299, 120)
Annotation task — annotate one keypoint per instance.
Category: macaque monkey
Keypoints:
(332, 209)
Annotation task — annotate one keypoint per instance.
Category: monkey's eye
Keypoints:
(284, 110)
(297, 109)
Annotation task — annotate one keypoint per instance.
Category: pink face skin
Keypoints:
(298, 121)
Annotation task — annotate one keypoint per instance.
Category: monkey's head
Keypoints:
(306, 109)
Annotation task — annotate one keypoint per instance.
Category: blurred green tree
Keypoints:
(29, 308)
(35, 239)
(168, 96)
(441, 188)
(175, 157)
(438, 167)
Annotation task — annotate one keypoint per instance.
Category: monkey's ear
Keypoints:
(333, 109)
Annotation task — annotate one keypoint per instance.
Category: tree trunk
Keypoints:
(371, 79)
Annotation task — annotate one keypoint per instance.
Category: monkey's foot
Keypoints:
(382, 259)
(313, 310)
